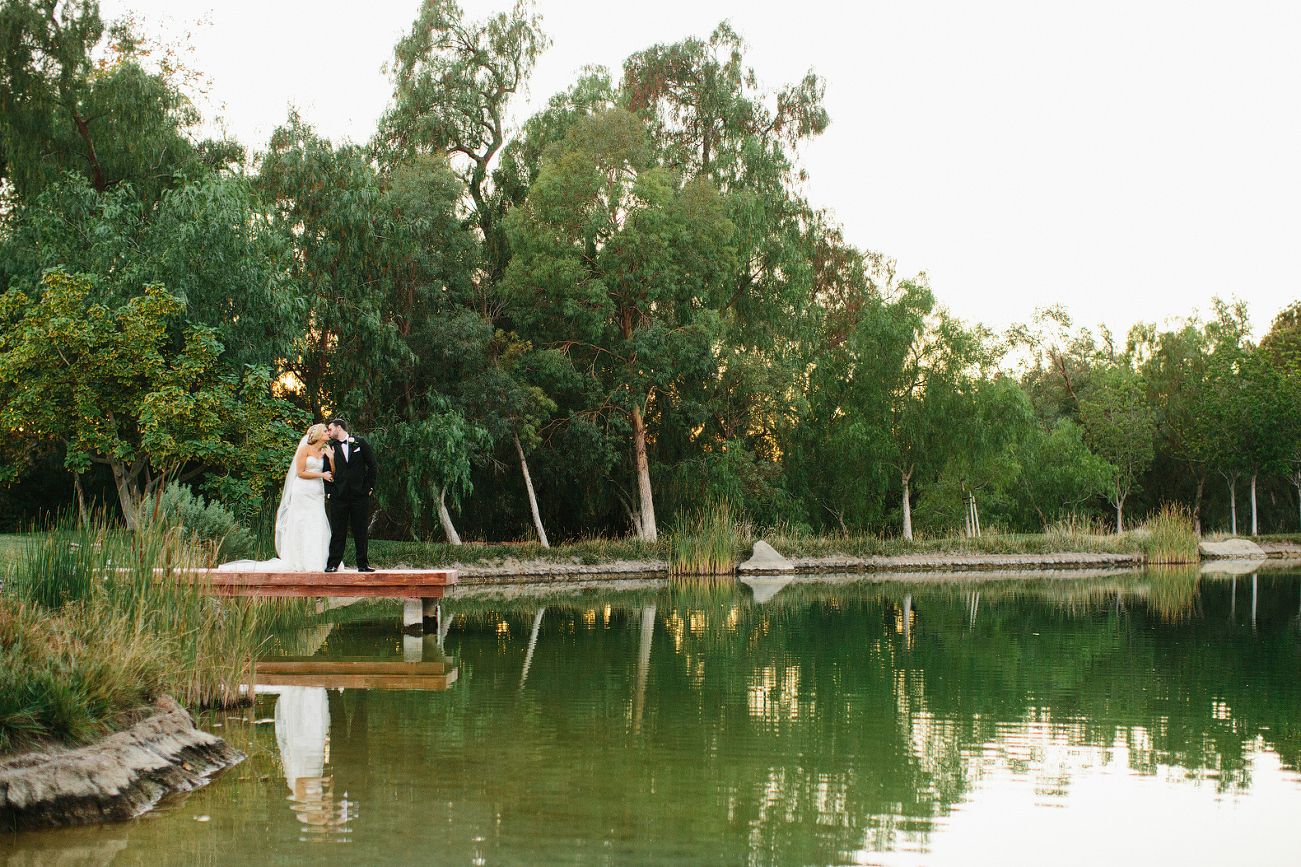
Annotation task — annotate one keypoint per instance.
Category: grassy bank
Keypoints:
(95, 624)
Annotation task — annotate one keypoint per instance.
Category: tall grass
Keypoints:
(96, 621)
(706, 542)
(1170, 536)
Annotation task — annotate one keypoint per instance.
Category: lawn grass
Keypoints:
(11, 546)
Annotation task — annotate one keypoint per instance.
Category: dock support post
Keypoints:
(413, 616)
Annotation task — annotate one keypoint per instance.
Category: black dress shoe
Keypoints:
(331, 568)
(365, 569)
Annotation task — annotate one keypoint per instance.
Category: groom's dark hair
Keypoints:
(337, 422)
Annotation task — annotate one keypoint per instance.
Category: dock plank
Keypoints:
(397, 583)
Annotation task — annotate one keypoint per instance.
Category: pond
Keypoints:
(1130, 718)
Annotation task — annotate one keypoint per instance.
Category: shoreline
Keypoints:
(510, 570)
(116, 778)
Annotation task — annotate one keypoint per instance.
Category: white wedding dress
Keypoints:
(302, 529)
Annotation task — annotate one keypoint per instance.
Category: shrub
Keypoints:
(210, 525)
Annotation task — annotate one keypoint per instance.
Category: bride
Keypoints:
(302, 529)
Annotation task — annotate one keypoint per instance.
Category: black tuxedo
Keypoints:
(349, 493)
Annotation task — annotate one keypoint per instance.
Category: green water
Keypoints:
(1130, 719)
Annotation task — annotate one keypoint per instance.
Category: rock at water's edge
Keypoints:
(116, 779)
(1232, 549)
(765, 559)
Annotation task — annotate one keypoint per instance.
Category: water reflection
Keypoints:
(937, 721)
(302, 716)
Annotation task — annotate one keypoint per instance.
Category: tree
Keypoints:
(110, 122)
(710, 118)
(115, 387)
(993, 419)
(616, 263)
(1058, 472)
(205, 240)
(453, 81)
(1121, 426)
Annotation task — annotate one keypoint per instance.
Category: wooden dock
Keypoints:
(399, 583)
(419, 588)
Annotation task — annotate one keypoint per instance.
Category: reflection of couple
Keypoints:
(328, 463)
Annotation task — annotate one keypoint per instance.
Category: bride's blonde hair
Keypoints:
(315, 433)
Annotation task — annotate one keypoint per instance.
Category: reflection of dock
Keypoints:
(355, 673)
(420, 589)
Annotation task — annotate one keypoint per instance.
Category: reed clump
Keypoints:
(707, 542)
(1169, 536)
(97, 621)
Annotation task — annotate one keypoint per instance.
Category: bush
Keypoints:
(210, 525)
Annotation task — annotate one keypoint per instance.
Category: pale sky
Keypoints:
(1127, 159)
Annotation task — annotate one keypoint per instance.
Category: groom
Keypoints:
(355, 469)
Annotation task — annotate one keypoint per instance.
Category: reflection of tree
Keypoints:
(809, 726)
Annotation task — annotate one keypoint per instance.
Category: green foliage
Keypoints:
(615, 263)
(61, 111)
(115, 388)
(1059, 475)
(1121, 425)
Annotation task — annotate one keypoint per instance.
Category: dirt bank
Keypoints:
(118, 778)
(541, 571)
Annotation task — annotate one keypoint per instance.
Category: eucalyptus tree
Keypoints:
(1174, 370)
(1282, 347)
(711, 118)
(617, 264)
(892, 380)
(1264, 407)
(1059, 474)
(453, 82)
(986, 433)
(836, 451)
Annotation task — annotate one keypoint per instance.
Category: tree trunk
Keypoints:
(81, 498)
(445, 518)
(907, 506)
(647, 528)
(1253, 505)
(1296, 480)
(125, 496)
(1120, 513)
(533, 500)
(1233, 506)
(975, 514)
(1197, 507)
(967, 518)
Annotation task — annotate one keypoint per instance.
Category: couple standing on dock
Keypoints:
(332, 474)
